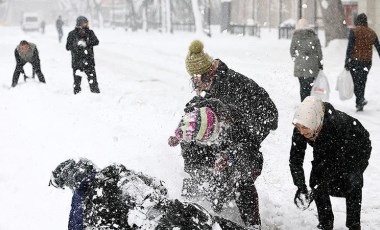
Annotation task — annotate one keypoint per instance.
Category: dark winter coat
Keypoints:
(258, 110)
(306, 51)
(105, 199)
(360, 42)
(341, 148)
(59, 24)
(82, 57)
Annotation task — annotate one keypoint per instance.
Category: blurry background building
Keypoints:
(173, 15)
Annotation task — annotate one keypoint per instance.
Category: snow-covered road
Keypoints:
(144, 86)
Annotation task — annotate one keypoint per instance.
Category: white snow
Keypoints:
(144, 87)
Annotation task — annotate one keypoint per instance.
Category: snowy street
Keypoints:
(144, 87)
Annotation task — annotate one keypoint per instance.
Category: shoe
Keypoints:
(254, 227)
(76, 90)
(96, 90)
(325, 227)
(14, 84)
(360, 106)
(356, 227)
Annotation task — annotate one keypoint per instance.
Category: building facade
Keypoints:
(372, 9)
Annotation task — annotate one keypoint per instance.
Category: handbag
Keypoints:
(345, 85)
(321, 87)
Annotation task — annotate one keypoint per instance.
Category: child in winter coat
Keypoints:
(27, 52)
(341, 150)
(230, 160)
(118, 198)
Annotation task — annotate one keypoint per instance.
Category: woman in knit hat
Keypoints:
(341, 150)
(359, 56)
(230, 161)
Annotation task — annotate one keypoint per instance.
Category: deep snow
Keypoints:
(144, 86)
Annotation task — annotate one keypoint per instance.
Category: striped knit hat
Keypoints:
(199, 125)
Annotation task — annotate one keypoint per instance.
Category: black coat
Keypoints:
(81, 55)
(258, 110)
(342, 148)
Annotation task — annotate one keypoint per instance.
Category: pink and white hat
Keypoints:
(199, 125)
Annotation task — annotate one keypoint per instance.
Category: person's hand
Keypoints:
(302, 199)
(173, 141)
(347, 66)
(192, 104)
(320, 66)
(82, 43)
(221, 163)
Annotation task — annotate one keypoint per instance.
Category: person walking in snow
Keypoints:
(118, 198)
(341, 150)
(59, 25)
(359, 56)
(230, 161)
(306, 52)
(27, 52)
(43, 25)
(80, 42)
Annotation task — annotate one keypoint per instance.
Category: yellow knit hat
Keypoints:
(197, 61)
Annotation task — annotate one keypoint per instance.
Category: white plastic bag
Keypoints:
(345, 85)
(321, 87)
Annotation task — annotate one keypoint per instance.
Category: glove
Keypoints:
(193, 103)
(303, 198)
(173, 141)
(347, 66)
(320, 66)
(221, 163)
(82, 43)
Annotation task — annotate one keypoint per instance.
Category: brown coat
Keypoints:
(365, 37)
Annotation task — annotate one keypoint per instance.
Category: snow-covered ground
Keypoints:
(144, 86)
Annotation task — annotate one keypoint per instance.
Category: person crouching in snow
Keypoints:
(118, 198)
(80, 42)
(341, 150)
(230, 161)
(27, 52)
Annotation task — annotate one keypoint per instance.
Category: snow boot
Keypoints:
(325, 227)
(360, 106)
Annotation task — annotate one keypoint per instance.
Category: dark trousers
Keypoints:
(91, 77)
(248, 201)
(305, 86)
(325, 214)
(60, 35)
(36, 69)
(359, 72)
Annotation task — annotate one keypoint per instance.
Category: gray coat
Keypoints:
(306, 51)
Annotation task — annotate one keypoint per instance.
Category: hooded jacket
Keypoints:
(306, 51)
(342, 147)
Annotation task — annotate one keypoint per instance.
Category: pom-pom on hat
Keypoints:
(199, 125)
(197, 61)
